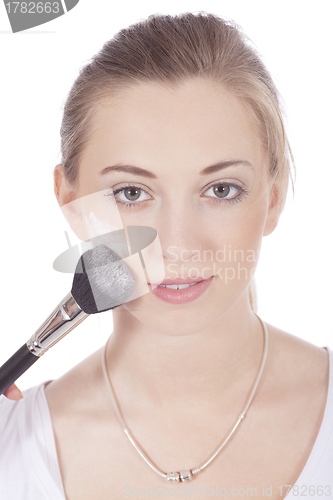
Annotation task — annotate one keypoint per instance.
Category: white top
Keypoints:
(29, 468)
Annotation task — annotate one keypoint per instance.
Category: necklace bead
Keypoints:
(173, 477)
(186, 475)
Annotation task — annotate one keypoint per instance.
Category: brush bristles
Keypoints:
(102, 280)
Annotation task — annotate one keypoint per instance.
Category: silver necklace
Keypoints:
(187, 474)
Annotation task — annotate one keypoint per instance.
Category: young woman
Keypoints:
(178, 117)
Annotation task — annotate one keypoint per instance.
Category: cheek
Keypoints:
(250, 226)
(241, 227)
(237, 244)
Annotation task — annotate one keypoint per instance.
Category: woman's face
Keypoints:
(210, 221)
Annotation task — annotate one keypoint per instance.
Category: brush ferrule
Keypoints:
(61, 321)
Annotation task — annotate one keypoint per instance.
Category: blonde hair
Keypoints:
(167, 50)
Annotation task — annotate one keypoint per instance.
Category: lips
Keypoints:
(183, 296)
(180, 281)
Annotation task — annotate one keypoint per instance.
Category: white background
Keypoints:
(38, 67)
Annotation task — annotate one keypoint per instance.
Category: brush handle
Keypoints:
(66, 316)
(13, 368)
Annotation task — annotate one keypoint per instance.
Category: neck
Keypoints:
(218, 363)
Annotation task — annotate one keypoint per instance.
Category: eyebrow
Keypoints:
(130, 169)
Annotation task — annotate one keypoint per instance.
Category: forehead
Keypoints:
(196, 122)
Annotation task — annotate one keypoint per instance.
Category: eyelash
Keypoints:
(242, 193)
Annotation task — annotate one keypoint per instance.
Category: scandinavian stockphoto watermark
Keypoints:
(25, 15)
(225, 274)
(237, 263)
(311, 491)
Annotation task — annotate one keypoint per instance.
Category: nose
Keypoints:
(180, 232)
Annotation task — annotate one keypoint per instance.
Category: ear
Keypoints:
(69, 203)
(274, 210)
(64, 193)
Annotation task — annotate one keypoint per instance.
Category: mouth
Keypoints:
(180, 293)
(179, 281)
(179, 286)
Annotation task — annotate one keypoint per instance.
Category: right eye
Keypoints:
(130, 193)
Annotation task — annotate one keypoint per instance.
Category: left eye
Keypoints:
(223, 191)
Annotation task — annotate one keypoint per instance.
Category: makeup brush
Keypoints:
(102, 281)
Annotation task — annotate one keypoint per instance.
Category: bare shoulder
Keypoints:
(297, 365)
(76, 391)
